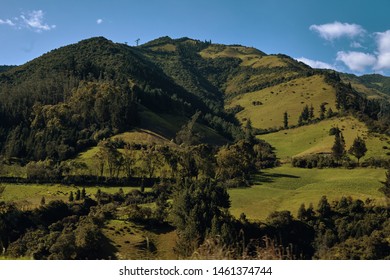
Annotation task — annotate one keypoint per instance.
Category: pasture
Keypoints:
(286, 188)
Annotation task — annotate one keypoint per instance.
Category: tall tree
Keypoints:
(285, 120)
(338, 149)
(385, 189)
(186, 135)
(322, 111)
(358, 148)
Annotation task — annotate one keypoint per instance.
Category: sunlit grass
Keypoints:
(286, 188)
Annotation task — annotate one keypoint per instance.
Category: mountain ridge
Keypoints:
(163, 76)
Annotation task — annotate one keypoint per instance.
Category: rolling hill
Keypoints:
(70, 98)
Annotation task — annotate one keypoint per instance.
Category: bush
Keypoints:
(314, 161)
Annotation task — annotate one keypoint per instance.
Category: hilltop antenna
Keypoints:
(137, 41)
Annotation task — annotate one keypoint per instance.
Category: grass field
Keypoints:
(286, 188)
(315, 138)
(290, 97)
(29, 196)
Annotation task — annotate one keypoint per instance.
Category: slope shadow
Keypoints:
(271, 177)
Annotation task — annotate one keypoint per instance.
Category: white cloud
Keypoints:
(356, 45)
(7, 22)
(315, 63)
(34, 20)
(99, 21)
(331, 31)
(356, 61)
(383, 42)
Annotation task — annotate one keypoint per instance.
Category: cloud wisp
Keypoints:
(6, 22)
(33, 20)
(315, 63)
(99, 21)
(335, 30)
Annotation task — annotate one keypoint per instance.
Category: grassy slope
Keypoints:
(129, 240)
(29, 196)
(291, 97)
(256, 68)
(315, 138)
(285, 188)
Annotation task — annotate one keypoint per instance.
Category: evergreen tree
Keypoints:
(43, 201)
(83, 193)
(78, 195)
(285, 120)
(249, 135)
(322, 111)
(311, 112)
(71, 197)
(305, 113)
(302, 212)
(324, 208)
(385, 189)
(329, 113)
(358, 148)
(338, 149)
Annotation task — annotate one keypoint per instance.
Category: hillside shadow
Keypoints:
(271, 177)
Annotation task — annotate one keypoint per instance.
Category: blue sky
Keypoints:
(350, 36)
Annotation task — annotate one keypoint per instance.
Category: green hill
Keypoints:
(72, 97)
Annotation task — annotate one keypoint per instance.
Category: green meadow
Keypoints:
(315, 138)
(286, 188)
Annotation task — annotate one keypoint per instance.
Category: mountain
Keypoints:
(374, 85)
(71, 98)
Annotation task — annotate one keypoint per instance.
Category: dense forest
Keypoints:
(79, 98)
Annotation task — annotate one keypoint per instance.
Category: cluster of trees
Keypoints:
(348, 229)
(344, 229)
(338, 155)
(53, 231)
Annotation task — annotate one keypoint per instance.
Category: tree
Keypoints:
(338, 149)
(78, 195)
(323, 207)
(83, 193)
(329, 113)
(385, 189)
(311, 112)
(285, 120)
(358, 148)
(71, 197)
(186, 135)
(129, 160)
(151, 161)
(322, 111)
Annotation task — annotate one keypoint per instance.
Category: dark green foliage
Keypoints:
(385, 189)
(338, 148)
(71, 197)
(285, 120)
(196, 204)
(350, 229)
(358, 148)
(314, 161)
(242, 159)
